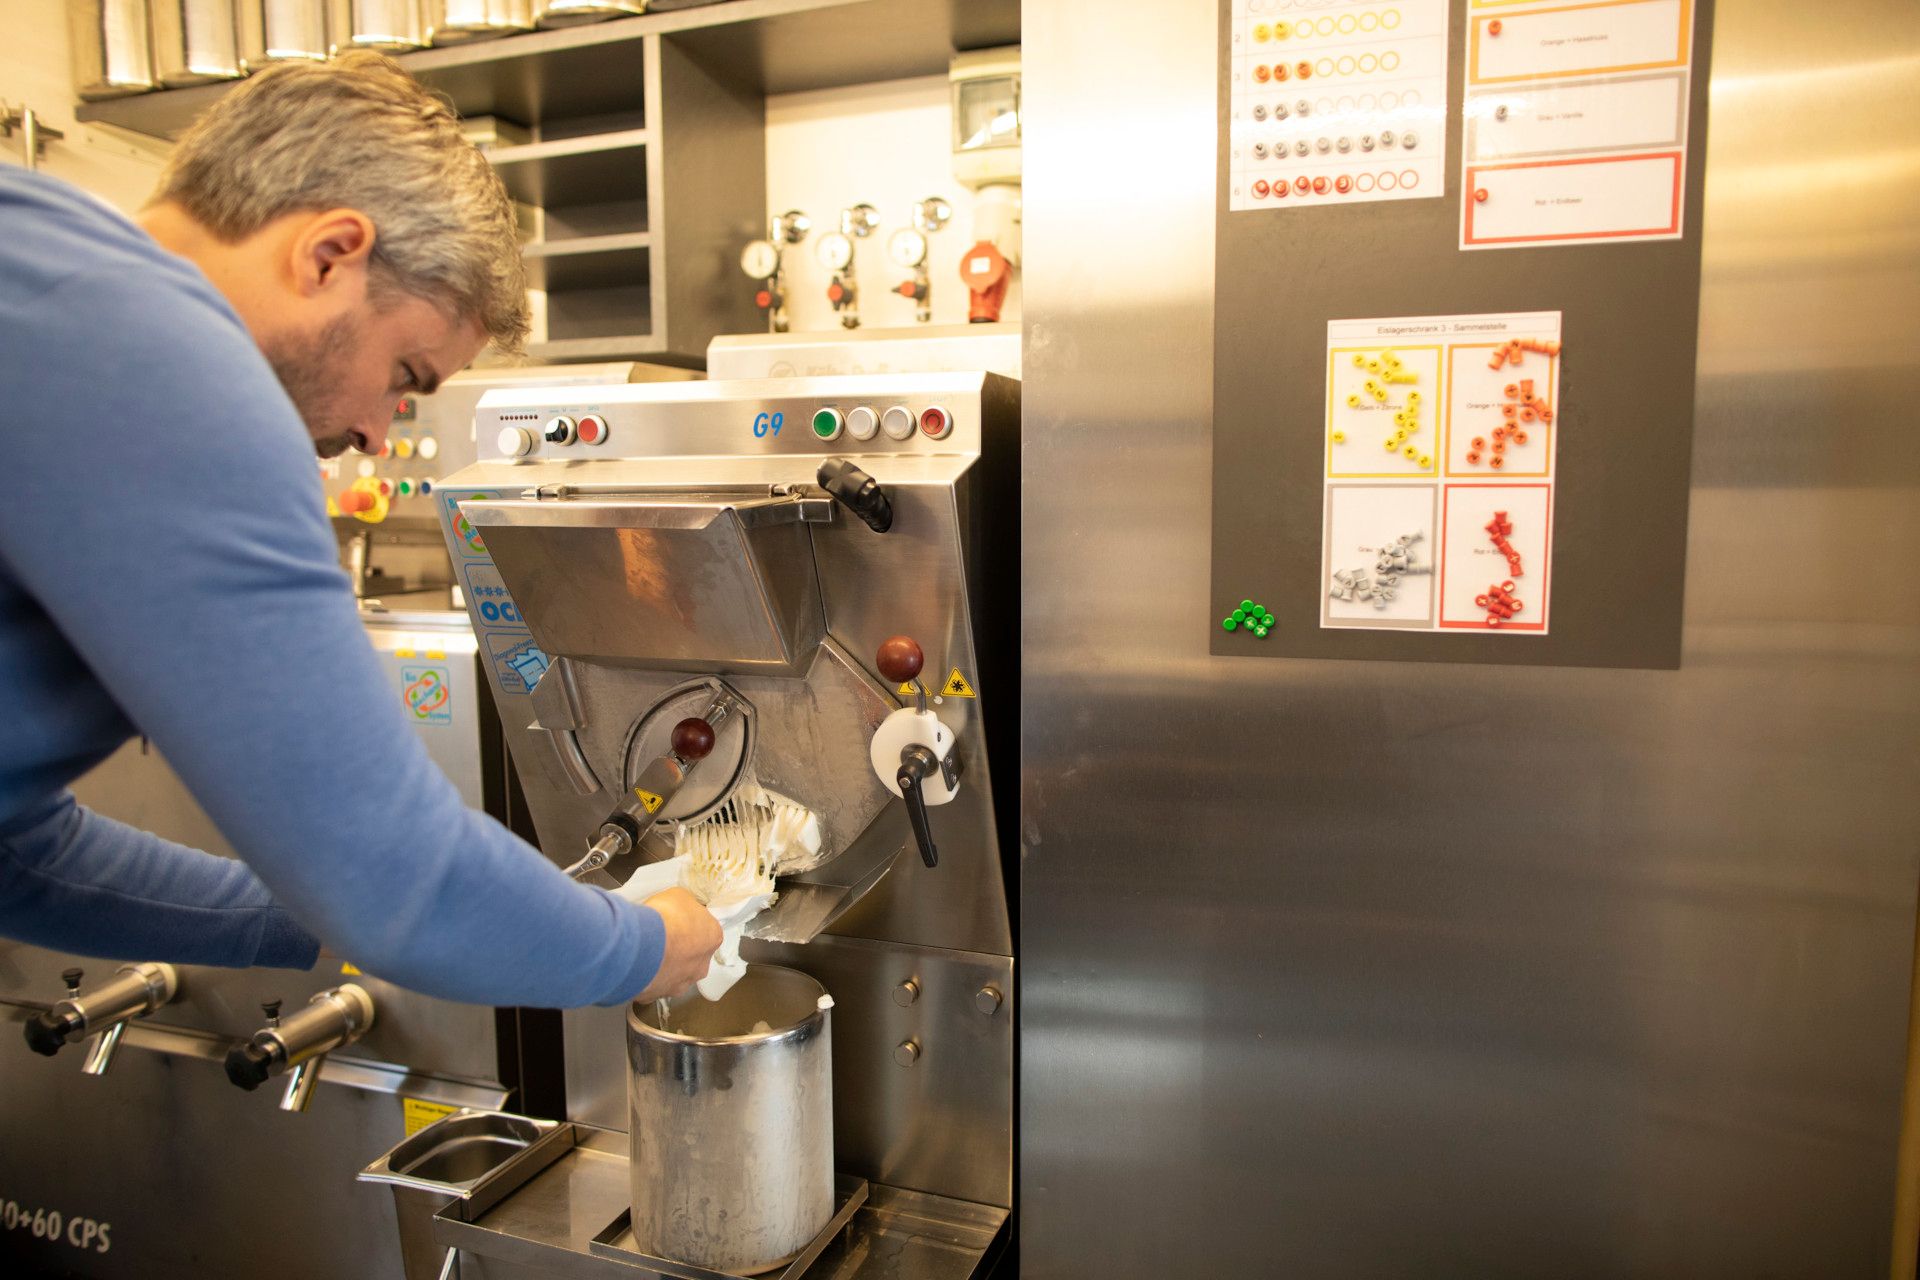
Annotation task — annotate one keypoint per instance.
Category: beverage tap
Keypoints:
(300, 1044)
(912, 750)
(765, 261)
(135, 991)
(836, 255)
(628, 826)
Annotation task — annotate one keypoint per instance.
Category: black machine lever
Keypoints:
(917, 764)
(858, 492)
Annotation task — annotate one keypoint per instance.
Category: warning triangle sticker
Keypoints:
(650, 801)
(907, 689)
(957, 686)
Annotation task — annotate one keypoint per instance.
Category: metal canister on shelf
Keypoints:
(282, 31)
(391, 26)
(456, 21)
(112, 48)
(566, 13)
(195, 42)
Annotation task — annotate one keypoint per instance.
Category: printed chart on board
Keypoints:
(1334, 101)
(1438, 506)
(1575, 126)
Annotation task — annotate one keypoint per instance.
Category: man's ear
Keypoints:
(331, 249)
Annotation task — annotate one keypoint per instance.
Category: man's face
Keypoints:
(345, 374)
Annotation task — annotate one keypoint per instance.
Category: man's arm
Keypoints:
(168, 517)
(75, 881)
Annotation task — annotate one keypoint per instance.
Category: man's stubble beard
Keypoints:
(306, 368)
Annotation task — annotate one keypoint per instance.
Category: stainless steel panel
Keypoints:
(1472, 972)
(927, 349)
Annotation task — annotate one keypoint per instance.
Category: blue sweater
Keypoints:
(166, 567)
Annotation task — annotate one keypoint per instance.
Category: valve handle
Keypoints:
(271, 1008)
(916, 765)
(692, 739)
(46, 1033)
(248, 1065)
(900, 659)
(72, 978)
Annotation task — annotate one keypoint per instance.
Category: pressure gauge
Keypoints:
(759, 259)
(907, 247)
(835, 250)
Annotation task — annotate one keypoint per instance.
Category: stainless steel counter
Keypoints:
(546, 1228)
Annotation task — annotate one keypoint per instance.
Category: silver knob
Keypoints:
(987, 1000)
(859, 221)
(906, 1053)
(906, 993)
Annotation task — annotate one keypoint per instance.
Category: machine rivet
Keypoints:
(906, 1053)
(987, 1000)
(906, 993)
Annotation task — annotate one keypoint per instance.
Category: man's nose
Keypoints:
(374, 430)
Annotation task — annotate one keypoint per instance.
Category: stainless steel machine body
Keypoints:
(1472, 972)
(694, 544)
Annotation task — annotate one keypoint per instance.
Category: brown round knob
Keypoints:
(900, 659)
(692, 738)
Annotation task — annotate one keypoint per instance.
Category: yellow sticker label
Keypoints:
(404, 653)
(957, 686)
(436, 655)
(649, 800)
(418, 1114)
(348, 970)
(907, 689)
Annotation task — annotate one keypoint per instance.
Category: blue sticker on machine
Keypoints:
(428, 694)
(464, 538)
(518, 662)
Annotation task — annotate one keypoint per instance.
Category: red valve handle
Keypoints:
(692, 738)
(900, 659)
(354, 501)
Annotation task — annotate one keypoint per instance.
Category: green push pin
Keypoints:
(1247, 606)
(1240, 615)
(1228, 623)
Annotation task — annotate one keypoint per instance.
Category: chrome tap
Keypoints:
(300, 1044)
(136, 991)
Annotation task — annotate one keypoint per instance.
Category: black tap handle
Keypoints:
(858, 492)
(47, 1032)
(72, 978)
(248, 1065)
(916, 765)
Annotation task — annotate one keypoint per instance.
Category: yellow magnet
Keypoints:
(1339, 437)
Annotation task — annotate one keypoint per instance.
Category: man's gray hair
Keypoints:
(360, 133)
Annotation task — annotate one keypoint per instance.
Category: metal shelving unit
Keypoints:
(651, 134)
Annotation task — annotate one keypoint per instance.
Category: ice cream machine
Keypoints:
(696, 596)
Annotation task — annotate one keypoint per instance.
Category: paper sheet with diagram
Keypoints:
(1335, 102)
(1575, 122)
(1441, 436)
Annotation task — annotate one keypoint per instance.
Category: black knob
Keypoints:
(248, 1065)
(72, 978)
(272, 1009)
(858, 492)
(47, 1032)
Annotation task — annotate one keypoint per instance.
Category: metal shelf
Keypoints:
(590, 262)
(770, 46)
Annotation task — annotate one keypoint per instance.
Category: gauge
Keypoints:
(759, 259)
(907, 247)
(835, 250)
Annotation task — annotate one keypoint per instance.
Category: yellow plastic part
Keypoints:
(1353, 401)
(1410, 453)
(1339, 437)
(1262, 33)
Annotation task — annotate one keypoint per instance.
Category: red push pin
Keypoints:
(1479, 195)
(1493, 28)
(692, 739)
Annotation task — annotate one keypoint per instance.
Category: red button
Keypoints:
(763, 299)
(935, 423)
(1260, 188)
(1302, 185)
(592, 430)
(1320, 186)
(1280, 189)
(1343, 184)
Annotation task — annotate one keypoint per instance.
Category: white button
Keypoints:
(516, 442)
(364, 467)
(428, 447)
(897, 422)
(863, 423)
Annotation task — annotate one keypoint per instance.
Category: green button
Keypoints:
(1246, 605)
(1228, 623)
(1239, 615)
(826, 423)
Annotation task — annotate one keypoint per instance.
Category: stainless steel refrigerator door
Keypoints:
(1454, 971)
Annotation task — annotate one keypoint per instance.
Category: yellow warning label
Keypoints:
(418, 1114)
(649, 800)
(957, 686)
(403, 653)
(907, 689)
(348, 970)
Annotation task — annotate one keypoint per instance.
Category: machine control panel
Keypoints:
(879, 414)
(426, 440)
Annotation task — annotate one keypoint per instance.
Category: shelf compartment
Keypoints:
(595, 168)
(589, 262)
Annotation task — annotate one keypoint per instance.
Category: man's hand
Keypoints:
(693, 935)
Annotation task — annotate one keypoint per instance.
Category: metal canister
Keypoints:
(391, 26)
(731, 1123)
(195, 42)
(282, 31)
(565, 13)
(112, 48)
(455, 21)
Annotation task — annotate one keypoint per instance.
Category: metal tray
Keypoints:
(849, 1194)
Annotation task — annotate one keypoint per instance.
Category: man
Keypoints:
(322, 243)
